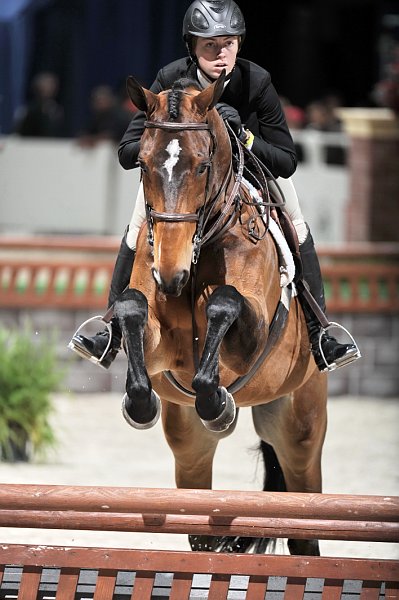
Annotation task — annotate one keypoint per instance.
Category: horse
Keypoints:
(206, 326)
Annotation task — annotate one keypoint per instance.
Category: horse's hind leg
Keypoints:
(193, 448)
(295, 427)
(141, 405)
(229, 317)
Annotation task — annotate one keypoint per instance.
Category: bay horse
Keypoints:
(202, 306)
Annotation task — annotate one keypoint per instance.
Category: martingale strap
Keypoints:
(276, 327)
(203, 236)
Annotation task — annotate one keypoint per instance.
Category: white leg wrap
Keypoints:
(138, 218)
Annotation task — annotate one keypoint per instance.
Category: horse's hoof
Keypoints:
(136, 424)
(204, 543)
(226, 417)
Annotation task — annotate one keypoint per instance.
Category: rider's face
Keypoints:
(216, 53)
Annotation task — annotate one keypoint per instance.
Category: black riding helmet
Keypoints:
(212, 18)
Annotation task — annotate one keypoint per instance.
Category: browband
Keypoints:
(174, 126)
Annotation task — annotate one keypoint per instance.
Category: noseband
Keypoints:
(198, 217)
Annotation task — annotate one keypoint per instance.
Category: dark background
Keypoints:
(311, 47)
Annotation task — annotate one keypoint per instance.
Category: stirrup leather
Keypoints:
(344, 360)
(76, 345)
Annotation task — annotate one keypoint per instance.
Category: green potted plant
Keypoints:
(28, 376)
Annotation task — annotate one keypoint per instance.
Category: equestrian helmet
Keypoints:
(212, 18)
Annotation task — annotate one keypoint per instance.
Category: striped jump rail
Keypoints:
(41, 571)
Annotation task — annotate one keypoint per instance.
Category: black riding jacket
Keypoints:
(251, 92)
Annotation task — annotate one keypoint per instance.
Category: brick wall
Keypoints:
(375, 374)
(372, 209)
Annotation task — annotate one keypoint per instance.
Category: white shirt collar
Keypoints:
(204, 81)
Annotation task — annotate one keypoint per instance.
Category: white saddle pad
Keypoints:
(287, 265)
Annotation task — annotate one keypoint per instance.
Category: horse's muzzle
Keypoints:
(174, 285)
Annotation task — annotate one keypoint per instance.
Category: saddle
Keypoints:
(271, 204)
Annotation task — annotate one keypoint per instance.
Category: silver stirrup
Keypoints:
(350, 357)
(76, 345)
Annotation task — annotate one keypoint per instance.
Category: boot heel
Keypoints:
(76, 344)
(351, 355)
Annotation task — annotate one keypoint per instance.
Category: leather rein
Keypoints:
(215, 230)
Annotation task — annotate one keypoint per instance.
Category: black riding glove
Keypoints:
(230, 114)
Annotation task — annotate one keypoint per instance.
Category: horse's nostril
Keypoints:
(172, 286)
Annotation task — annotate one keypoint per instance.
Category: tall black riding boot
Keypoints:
(335, 354)
(94, 347)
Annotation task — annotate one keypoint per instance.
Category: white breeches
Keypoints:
(293, 209)
(286, 185)
(138, 218)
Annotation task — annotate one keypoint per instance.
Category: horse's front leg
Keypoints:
(229, 319)
(141, 405)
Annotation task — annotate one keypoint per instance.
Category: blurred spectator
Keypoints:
(321, 116)
(333, 100)
(109, 117)
(125, 99)
(295, 117)
(43, 116)
(386, 91)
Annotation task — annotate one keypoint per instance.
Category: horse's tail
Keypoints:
(273, 482)
(274, 477)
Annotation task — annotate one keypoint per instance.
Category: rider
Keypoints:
(213, 31)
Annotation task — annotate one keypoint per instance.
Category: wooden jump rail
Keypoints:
(266, 514)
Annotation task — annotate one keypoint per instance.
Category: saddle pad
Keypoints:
(287, 266)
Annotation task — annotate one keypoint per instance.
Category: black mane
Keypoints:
(175, 94)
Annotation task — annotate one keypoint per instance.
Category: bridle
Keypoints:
(226, 217)
(224, 220)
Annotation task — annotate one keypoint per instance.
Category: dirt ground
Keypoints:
(97, 447)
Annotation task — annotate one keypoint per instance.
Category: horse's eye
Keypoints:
(203, 167)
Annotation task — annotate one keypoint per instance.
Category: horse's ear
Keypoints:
(219, 87)
(142, 98)
(210, 95)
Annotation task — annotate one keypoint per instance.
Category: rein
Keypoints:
(276, 327)
(215, 230)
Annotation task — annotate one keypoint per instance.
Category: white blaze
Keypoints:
(173, 149)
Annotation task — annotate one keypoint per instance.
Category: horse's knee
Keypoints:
(230, 317)
(225, 302)
(131, 308)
